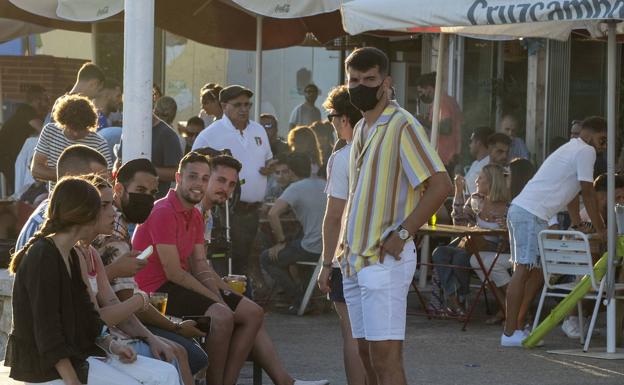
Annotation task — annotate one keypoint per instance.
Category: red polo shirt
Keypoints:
(169, 223)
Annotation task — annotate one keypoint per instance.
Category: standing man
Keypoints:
(396, 182)
(249, 144)
(343, 116)
(306, 113)
(449, 135)
(106, 101)
(564, 174)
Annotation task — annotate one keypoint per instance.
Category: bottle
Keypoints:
(433, 220)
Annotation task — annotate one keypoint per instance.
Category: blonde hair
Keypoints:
(495, 174)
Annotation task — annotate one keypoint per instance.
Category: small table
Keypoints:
(470, 232)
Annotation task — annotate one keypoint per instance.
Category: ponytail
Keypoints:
(48, 228)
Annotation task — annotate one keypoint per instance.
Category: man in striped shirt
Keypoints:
(396, 182)
(76, 119)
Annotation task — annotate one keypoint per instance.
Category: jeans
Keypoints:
(278, 270)
(197, 357)
(454, 281)
(243, 229)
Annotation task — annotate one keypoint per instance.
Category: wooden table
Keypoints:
(471, 233)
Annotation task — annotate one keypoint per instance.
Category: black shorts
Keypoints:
(335, 283)
(184, 302)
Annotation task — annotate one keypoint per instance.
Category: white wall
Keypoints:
(280, 93)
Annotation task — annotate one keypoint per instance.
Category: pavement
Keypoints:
(435, 352)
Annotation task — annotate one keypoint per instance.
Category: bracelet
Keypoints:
(328, 264)
(110, 344)
(146, 301)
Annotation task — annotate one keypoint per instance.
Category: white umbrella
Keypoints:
(11, 29)
(288, 9)
(512, 18)
(74, 10)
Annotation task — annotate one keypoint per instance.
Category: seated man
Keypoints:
(136, 184)
(306, 197)
(279, 179)
(179, 267)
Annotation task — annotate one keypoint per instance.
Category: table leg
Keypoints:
(486, 280)
(424, 260)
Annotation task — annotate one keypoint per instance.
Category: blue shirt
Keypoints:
(32, 225)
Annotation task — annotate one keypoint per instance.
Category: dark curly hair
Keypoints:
(75, 112)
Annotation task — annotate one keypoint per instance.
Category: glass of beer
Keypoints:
(159, 301)
(237, 283)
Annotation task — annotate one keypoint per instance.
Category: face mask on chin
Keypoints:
(137, 207)
(364, 98)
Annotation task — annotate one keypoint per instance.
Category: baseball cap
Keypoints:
(231, 92)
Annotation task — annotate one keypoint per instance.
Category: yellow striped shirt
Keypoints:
(386, 173)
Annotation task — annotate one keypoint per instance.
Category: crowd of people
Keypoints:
(359, 186)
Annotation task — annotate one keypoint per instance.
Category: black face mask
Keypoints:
(138, 207)
(364, 98)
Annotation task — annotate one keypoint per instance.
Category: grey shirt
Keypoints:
(304, 114)
(307, 199)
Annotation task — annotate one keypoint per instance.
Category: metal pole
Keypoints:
(138, 75)
(500, 77)
(611, 77)
(435, 119)
(258, 90)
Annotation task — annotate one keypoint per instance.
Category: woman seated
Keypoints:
(58, 337)
(486, 208)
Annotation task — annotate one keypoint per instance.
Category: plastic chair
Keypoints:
(568, 253)
(311, 284)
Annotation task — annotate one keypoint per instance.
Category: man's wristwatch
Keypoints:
(402, 232)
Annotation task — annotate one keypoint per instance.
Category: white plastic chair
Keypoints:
(311, 284)
(568, 253)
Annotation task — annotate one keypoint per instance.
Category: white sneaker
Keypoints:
(317, 382)
(570, 327)
(514, 340)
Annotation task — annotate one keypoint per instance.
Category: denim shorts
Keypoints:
(524, 229)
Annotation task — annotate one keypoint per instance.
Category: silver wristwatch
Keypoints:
(402, 232)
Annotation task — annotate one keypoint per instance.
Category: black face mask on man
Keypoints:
(137, 207)
(364, 98)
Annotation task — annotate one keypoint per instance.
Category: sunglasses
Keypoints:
(331, 117)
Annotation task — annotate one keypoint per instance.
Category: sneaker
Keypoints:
(570, 327)
(514, 340)
(317, 382)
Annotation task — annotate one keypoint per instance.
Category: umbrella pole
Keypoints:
(611, 78)
(258, 90)
(138, 74)
(435, 118)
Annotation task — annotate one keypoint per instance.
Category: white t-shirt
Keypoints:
(23, 176)
(473, 173)
(338, 174)
(338, 180)
(557, 182)
(251, 148)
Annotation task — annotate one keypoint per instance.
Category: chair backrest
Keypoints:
(566, 253)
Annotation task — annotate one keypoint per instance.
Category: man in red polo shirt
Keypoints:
(179, 267)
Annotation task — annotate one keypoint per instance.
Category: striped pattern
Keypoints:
(386, 173)
(53, 141)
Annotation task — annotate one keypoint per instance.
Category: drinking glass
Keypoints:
(237, 283)
(159, 301)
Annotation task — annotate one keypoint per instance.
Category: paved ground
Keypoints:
(436, 352)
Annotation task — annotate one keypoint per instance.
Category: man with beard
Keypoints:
(396, 183)
(449, 132)
(135, 186)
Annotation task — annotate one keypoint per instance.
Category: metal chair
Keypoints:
(568, 253)
(311, 284)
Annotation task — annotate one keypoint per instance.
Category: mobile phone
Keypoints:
(203, 322)
(146, 253)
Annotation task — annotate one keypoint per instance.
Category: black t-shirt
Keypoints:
(166, 151)
(13, 134)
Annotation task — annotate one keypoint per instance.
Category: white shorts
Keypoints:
(376, 297)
